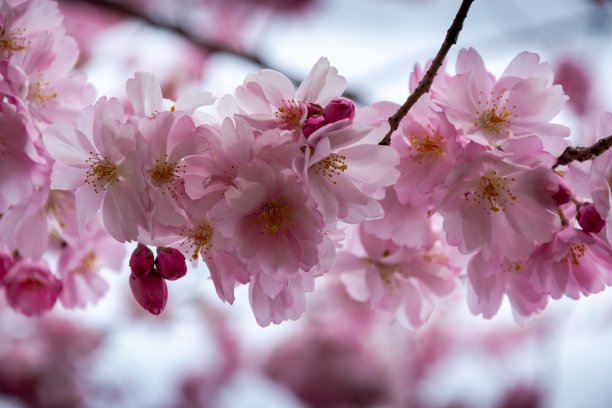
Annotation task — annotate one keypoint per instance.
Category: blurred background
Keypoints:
(203, 353)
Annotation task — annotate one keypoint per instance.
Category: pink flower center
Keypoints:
(512, 266)
(576, 252)
(426, 146)
(290, 115)
(164, 174)
(492, 192)
(332, 165)
(388, 275)
(494, 118)
(101, 172)
(198, 239)
(39, 92)
(274, 217)
(13, 40)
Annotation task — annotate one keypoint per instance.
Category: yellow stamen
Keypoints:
(274, 217)
(198, 239)
(101, 172)
(332, 165)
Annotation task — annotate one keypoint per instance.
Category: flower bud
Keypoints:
(31, 288)
(589, 219)
(170, 263)
(563, 195)
(141, 261)
(314, 109)
(150, 291)
(338, 109)
(312, 123)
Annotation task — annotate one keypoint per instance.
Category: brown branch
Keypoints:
(581, 154)
(425, 84)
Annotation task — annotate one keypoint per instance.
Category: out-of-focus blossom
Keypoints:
(31, 288)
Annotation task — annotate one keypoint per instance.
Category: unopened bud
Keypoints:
(141, 261)
(338, 109)
(170, 263)
(312, 123)
(150, 291)
(314, 109)
(589, 219)
(563, 195)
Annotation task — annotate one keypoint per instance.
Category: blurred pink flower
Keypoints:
(403, 282)
(30, 287)
(490, 279)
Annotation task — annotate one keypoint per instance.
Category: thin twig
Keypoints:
(425, 84)
(581, 154)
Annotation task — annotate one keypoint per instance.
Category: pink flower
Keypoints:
(498, 207)
(31, 288)
(268, 99)
(491, 279)
(600, 173)
(101, 163)
(20, 22)
(273, 224)
(25, 227)
(400, 281)
(404, 225)
(428, 146)
(521, 103)
(81, 261)
(288, 303)
(16, 165)
(169, 138)
(573, 262)
(346, 174)
(43, 84)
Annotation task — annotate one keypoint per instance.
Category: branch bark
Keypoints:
(425, 84)
(581, 154)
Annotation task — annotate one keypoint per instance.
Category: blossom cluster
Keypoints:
(285, 185)
(37, 89)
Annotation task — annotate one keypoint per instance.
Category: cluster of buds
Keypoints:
(149, 275)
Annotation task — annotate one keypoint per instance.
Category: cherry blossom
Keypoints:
(31, 288)
(522, 102)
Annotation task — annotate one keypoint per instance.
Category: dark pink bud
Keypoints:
(314, 109)
(589, 219)
(312, 123)
(141, 261)
(563, 195)
(338, 109)
(150, 291)
(170, 263)
(6, 261)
